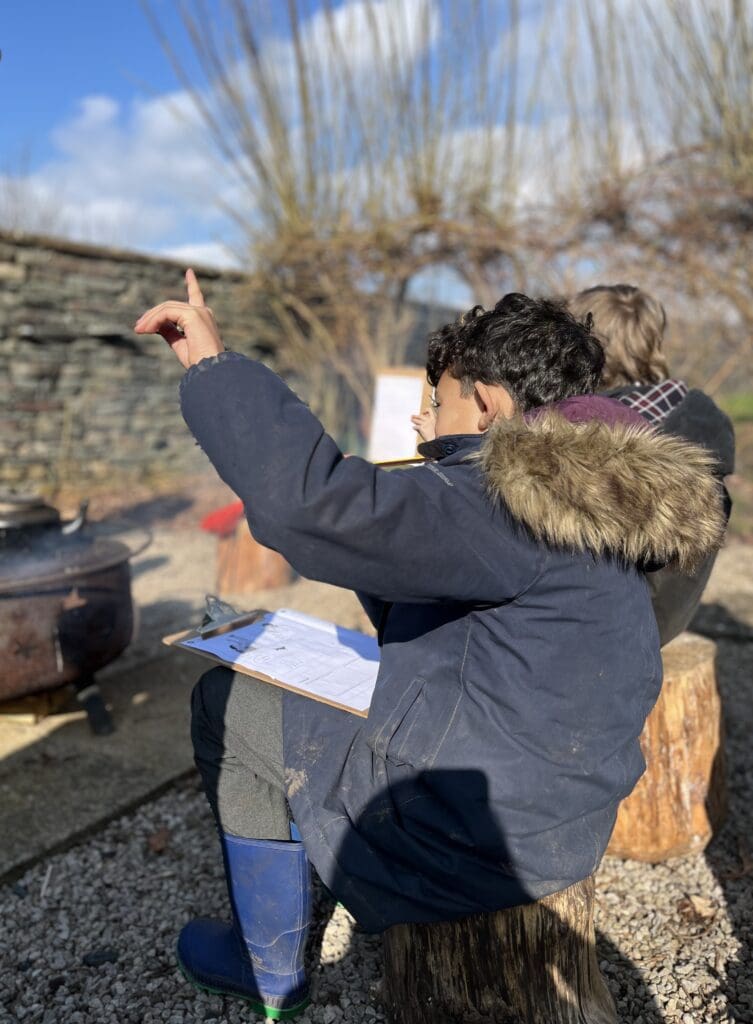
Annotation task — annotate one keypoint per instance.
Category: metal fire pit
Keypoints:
(65, 603)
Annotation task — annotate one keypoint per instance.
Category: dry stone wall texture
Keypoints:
(85, 402)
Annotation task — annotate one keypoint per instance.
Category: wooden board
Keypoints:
(401, 463)
(33, 708)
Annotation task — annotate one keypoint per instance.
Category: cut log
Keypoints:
(681, 801)
(244, 565)
(529, 965)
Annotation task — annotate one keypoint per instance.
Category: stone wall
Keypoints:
(84, 402)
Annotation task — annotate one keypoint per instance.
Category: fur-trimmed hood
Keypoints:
(618, 488)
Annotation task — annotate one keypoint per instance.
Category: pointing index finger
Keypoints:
(195, 296)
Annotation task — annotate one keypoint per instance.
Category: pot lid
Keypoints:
(51, 565)
(54, 557)
(18, 510)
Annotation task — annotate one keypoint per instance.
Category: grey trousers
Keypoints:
(236, 729)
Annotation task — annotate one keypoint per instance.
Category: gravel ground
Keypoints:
(126, 893)
(675, 940)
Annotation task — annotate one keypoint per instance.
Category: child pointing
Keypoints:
(519, 651)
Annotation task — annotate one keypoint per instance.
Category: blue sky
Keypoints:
(89, 140)
(88, 137)
(85, 136)
(55, 53)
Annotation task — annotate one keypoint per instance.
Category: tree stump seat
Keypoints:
(244, 565)
(681, 801)
(534, 964)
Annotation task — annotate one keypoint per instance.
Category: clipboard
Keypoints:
(417, 460)
(297, 652)
(215, 628)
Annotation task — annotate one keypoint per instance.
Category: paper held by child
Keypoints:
(298, 652)
(399, 393)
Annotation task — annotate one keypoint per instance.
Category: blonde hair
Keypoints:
(630, 325)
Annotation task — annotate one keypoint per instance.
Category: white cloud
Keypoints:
(365, 34)
(142, 174)
(369, 32)
(207, 254)
(131, 175)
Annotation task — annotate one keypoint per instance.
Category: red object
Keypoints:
(223, 521)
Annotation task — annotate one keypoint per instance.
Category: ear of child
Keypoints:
(494, 401)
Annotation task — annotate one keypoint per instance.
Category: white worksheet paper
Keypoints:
(397, 397)
(310, 654)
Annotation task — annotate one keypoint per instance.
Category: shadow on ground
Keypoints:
(60, 781)
(730, 855)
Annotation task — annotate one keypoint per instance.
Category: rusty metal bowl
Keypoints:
(65, 599)
(61, 628)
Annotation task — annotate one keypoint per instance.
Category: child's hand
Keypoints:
(424, 424)
(189, 328)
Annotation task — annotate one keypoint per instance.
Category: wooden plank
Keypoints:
(36, 706)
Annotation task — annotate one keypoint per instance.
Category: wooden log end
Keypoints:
(681, 800)
(519, 966)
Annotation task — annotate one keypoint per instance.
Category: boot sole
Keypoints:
(270, 1012)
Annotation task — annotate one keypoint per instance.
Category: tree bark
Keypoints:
(681, 800)
(534, 964)
(244, 565)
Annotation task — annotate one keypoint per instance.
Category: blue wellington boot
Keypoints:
(259, 957)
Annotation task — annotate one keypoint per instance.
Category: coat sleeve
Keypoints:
(700, 420)
(373, 607)
(400, 536)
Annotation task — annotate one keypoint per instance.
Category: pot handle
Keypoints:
(146, 540)
(74, 525)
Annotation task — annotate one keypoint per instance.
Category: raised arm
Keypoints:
(400, 536)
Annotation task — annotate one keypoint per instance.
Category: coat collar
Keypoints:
(616, 487)
(578, 409)
(449, 444)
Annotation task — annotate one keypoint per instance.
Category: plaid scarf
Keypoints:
(655, 401)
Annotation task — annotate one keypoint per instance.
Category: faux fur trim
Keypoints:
(632, 492)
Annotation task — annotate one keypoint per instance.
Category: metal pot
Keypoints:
(19, 511)
(65, 598)
(25, 518)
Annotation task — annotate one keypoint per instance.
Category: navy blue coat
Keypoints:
(519, 652)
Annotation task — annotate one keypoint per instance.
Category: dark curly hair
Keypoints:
(535, 348)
